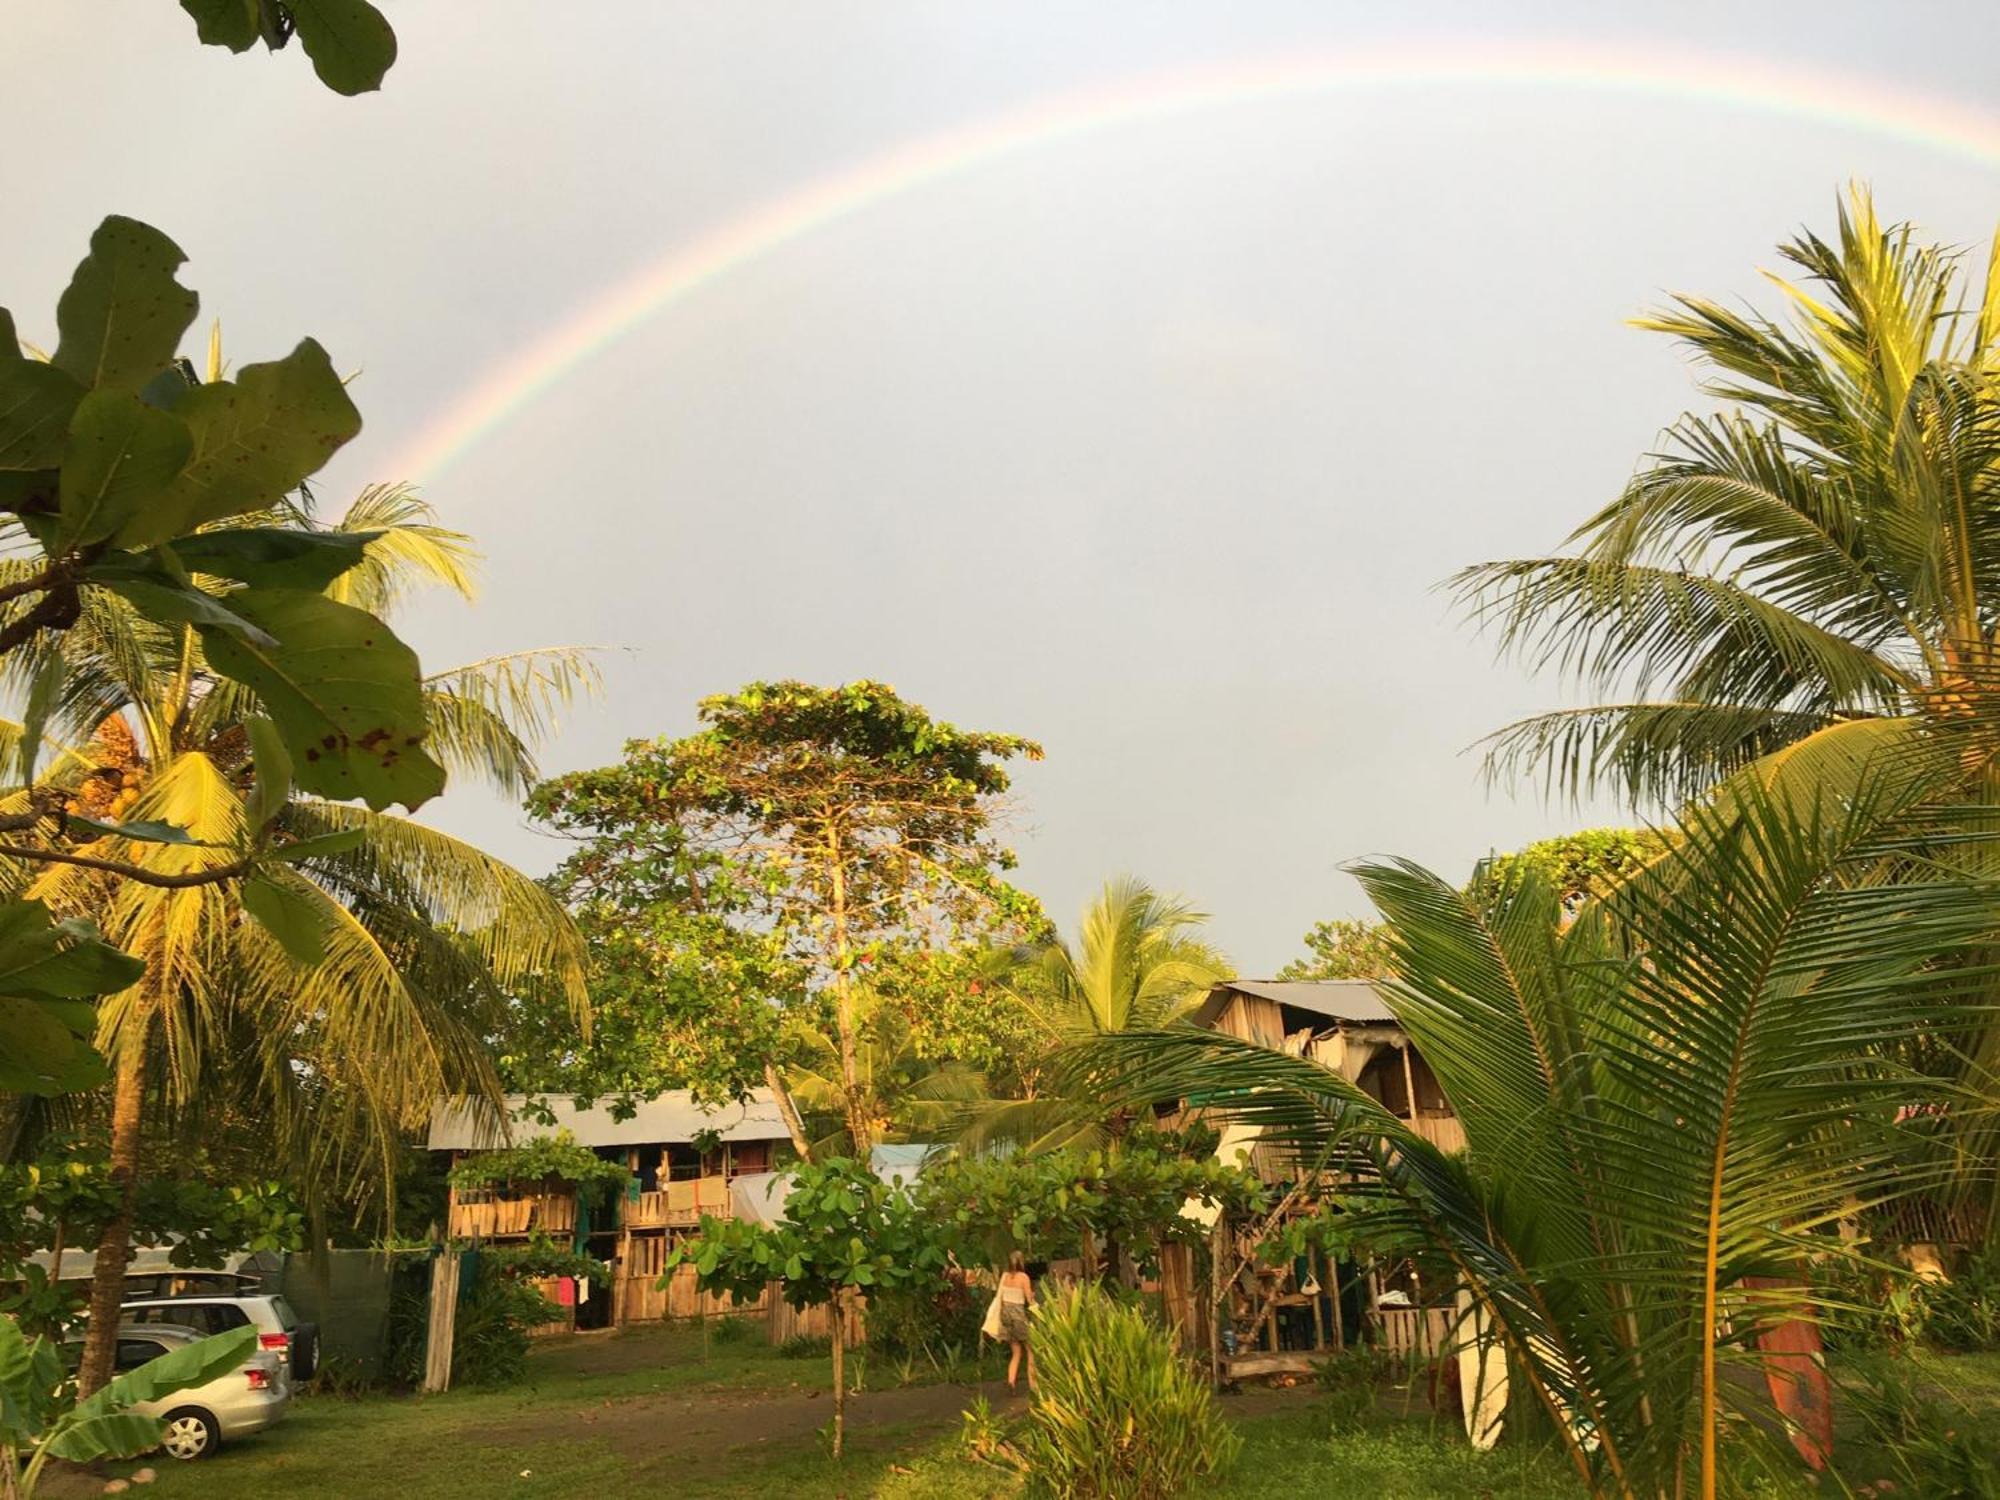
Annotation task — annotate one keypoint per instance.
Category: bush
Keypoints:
(1116, 1415)
(1349, 1380)
(734, 1330)
(490, 1334)
(939, 1326)
(806, 1346)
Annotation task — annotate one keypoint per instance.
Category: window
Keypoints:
(287, 1319)
(133, 1353)
(202, 1317)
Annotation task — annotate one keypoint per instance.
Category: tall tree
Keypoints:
(825, 828)
(338, 989)
(1825, 549)
(1138, 963)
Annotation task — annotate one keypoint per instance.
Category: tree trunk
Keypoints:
(114, 1246)
(860, 1127)
(788, 1112)
(839, 1321)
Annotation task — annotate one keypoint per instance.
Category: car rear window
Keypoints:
(133, 1353)
(287, 1319)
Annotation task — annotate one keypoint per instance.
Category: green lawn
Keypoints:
(643, 1414)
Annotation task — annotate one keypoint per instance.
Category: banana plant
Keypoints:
(41, 1418)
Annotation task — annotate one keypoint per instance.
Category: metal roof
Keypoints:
(672, 1118)
(1357, 1001)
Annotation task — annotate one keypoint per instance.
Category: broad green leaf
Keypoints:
(36, 403)
(121, 454)
(338, 842)
(190, 1365)
(117, 1434)
(272, 762)
(122, 316)
(42, 958)
(350, 44)
(256, 438)
(158, 595)
(144, 831)
(296, 919)
(224, 23)
(10, 341)
(273, 557)
(45, 1047)
(342, 689)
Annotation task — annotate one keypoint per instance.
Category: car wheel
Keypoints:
(190, 1433)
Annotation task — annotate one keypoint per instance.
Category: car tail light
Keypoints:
(274, 1340)
(260, 1380)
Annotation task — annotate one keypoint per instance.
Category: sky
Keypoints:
(1127, 376)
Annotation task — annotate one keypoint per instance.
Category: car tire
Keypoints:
(191, 1433)
(305, 1351)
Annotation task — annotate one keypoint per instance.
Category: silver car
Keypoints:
(202, 1418)
(278, 1327)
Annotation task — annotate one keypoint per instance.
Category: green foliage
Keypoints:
(843, 1227)
(1578, 866)
(73, 1197)
(113, 452)
(350, 44)
(490, 1336)
(559, 1157)
(1930, 1444)
(1675, 1088)
(709, 866)
(806, 1346)
(1349, 1380)
(1044, 1204)
(38, 1408)
(1138, 961)
(49, 973)
(1343, 948)
(1116, 1414)
(543, 1257)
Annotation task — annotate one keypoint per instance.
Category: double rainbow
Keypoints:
(1848, 100)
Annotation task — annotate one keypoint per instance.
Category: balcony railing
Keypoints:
(487, 1216)
(679, 1205)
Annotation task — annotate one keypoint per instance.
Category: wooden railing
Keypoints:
(679, 1205)
(487, 1216)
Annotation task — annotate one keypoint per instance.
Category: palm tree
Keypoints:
(1137, 965)
(340, 991)
(905, 1095)
(1824, 550)
(1666, 1099)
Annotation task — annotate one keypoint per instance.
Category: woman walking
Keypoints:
(1017, 1295)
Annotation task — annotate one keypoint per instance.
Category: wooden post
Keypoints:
(839, 1369)
(1339, 1317)
(443, 1320)
(1216, 1311)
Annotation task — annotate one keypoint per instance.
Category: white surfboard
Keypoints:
(1482, 1372)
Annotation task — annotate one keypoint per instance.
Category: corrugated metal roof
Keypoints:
(1353, 1000)
(672, 1118)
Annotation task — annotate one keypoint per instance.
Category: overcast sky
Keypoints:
(1151, 442)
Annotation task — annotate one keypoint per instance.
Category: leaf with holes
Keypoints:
(350, 44)
(256, 439)
(342, 689)
(120, 455)
(120, 320)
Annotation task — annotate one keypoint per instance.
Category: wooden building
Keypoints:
(684, 1161)
(1282, 1317)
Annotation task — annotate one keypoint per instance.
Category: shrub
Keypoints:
(734, 1330)
(1349, 1380)
(938, 1325)
(489, 1336)
(806, 1346)
(1116, 1415)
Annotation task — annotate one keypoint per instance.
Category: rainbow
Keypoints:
(1849, 100)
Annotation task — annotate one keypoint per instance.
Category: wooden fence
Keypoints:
(788, 1322)
(641, 1299)
(1416, 1333)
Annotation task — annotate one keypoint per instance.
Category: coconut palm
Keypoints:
(1825, 549)
(340, 992)
(1137, 964)
(906, 1095)
(1678, 1090)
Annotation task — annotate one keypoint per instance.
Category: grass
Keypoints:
(641, 1413)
